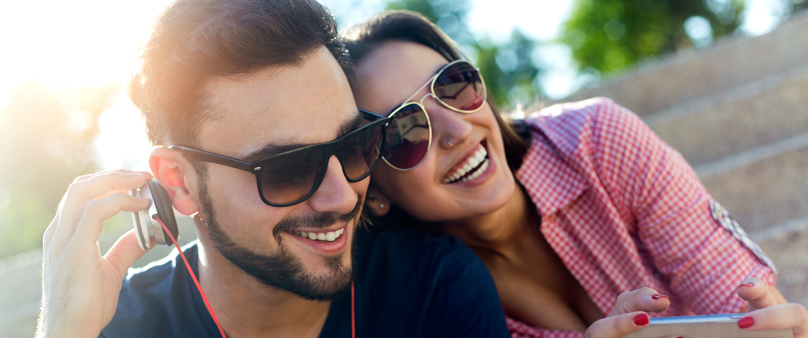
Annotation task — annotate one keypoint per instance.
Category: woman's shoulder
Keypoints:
(589, 123)
(588, 111)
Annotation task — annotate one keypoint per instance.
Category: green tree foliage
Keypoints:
(610, 35)
(46, 139)
(507, 68)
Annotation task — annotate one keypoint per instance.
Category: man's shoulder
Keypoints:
(155, 301)
(435, 285)
(414, 251)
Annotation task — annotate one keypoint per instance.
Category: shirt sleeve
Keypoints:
(701, 252)
(465, 300)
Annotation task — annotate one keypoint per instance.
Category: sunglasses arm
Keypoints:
(213, 158)
(370, 116)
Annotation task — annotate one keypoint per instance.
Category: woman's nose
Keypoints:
(449, 128)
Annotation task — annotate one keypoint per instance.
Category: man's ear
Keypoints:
(173, 172)
(377, 203)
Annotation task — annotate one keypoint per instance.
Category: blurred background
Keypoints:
(64, 111)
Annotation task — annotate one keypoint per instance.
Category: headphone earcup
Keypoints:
(165, 211)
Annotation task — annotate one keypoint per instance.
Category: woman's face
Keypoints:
(434, 190)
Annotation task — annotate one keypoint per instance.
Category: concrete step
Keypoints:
(786, 245)
(20, 289)
(694, 74)
(762, 187)
(743, 118)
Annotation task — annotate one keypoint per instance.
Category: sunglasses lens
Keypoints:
(290, 177)
(360, 152)
(461, 87)
(407, 139)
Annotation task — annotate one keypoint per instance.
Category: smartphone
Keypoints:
(145, 221)
(709, 326)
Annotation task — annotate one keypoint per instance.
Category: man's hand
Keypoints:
(80, 287)
(768, 309)
(628, 314)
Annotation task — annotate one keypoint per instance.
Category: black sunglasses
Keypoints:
(293, 176)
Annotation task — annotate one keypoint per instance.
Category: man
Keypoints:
(249, 79)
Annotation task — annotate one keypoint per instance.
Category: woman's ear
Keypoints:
(377, 203)
(170, 170)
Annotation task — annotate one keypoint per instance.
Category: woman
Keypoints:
(569, 209)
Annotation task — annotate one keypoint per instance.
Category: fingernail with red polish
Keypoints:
(746, 322)
(658, 296)
(748, 284)
(641, 319)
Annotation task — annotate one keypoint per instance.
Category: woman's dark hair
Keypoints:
(364, 38)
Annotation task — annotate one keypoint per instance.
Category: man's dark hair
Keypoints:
(193, 40)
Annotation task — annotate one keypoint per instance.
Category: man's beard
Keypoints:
(284, 270)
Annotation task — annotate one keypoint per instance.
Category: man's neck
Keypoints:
(246, 307)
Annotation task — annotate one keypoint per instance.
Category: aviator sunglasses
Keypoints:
(458, 86)
(291, 177)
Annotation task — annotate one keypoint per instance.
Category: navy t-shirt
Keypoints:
(407, 284)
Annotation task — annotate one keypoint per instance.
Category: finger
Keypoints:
(126, 191)
(47, 237)
(644, 299)
(113, 192)
(98, 211)
(617, 326)
(779, 317)
(125, 252)
(756, 293)
(79, 194)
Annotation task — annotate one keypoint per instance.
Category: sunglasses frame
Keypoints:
(330, 149)
(420, 103)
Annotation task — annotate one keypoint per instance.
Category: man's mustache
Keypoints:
(316, 221)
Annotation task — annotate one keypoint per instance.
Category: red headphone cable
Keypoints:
(205, 298)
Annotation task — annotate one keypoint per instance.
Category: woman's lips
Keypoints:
(472, 167)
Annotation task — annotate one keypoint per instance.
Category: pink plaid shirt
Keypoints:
(623, 210)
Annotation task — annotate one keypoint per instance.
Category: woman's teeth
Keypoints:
(320, 236)
(475, 165)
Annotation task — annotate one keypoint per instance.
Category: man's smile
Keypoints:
(323, 242)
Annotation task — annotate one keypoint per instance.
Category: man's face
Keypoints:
(260, 115)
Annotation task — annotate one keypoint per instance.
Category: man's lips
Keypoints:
(319, 240)
(326, 236)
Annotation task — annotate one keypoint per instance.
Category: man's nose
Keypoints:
(335, 194)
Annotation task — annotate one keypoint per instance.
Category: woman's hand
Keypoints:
(768, 309)
(80, 287)
(629, 314)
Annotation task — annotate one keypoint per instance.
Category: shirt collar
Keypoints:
(549, 181)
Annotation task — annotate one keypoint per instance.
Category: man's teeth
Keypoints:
(320, 236)
(472, 163)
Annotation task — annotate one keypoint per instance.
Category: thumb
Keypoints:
(643, 299)
(757, 293)
(618, 325)
(125, 252)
